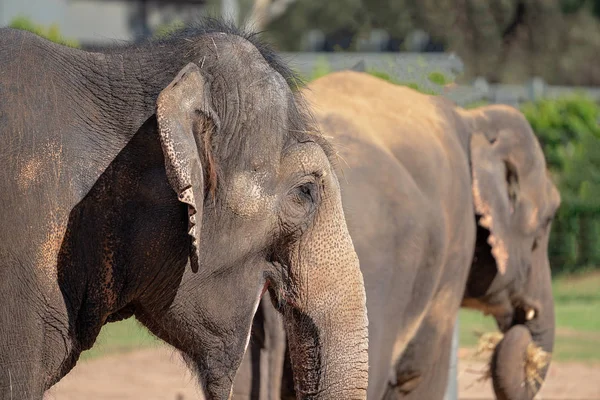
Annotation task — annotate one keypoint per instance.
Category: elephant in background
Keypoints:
(446, 207)
(175, 181)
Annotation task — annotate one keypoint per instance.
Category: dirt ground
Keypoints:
(160, 374)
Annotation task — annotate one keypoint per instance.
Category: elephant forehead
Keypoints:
(255, 118)
(244, 70)
(246, 195)
(307, 158)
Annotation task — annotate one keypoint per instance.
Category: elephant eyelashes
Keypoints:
(543, 230)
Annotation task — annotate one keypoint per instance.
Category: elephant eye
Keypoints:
(512, 183)
(307, 192)
(542, 231)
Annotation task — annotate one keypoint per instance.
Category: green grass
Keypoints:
(577, 307)
(121, 337)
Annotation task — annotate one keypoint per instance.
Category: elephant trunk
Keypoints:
(518, 366)
(521, 359)
(325, 316)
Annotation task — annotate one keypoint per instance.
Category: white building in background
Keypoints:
(100, 21)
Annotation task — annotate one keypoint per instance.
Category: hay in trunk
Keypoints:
(535, 359)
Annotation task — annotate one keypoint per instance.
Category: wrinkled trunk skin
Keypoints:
(508, 374)
(327, 322)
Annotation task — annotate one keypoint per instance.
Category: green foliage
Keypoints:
(165, 30)
(51, 33)
(570, 136)
(415, 86)
(438, 78)
(320, 69)
(573, 6)
(385, 76)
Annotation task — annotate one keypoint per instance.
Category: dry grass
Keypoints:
(485, 349)
(535, 358)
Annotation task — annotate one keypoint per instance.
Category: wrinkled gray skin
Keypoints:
(445, 207)
(124, 172)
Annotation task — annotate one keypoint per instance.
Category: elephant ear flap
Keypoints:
(183, 112)
(493, 189)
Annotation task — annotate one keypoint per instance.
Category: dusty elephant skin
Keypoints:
(446, 208)
(123, 168)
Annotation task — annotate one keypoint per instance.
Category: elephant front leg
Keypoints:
(34, 348)
(21, 375)
(422, 370)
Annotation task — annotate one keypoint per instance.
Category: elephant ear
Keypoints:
(183, 112)
(496, 165)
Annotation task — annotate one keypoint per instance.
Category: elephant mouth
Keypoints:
(518, 315)
(278, 285)
(524, 311)
(519, 311)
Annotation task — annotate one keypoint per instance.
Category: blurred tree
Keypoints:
(503, 40)
(570, 137)
(264, 11)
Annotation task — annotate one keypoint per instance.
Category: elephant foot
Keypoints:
(401, 385)
(409, 384)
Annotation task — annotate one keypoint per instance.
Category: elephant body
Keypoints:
(420, 222)
(162, 181)
(407, 196)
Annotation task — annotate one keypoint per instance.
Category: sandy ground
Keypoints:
(160, 374)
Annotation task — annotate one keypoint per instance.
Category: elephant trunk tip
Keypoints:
(516, 348)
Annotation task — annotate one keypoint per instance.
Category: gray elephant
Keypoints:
(174, 181)
(446, 207)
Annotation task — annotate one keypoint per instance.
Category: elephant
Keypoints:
(446, 207)
(175, 181)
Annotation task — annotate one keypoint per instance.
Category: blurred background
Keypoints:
(542, 56)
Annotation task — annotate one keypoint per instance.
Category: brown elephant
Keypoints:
(445, 207)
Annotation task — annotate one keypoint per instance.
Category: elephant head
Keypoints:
(515, 202)
(264, 212)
